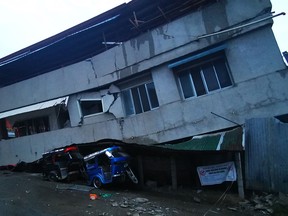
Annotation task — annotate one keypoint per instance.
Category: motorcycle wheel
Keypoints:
(97, 183)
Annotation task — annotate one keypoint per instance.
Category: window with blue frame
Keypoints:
(203, 75)
(140, 98)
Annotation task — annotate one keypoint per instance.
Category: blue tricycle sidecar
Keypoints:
(107, 166)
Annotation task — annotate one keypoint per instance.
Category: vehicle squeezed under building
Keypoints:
(101, 167)
(107, 166)
(62, 164)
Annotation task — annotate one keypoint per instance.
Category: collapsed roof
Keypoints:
(92, 37)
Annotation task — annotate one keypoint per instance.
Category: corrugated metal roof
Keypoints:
(231, 140)
(89, 38)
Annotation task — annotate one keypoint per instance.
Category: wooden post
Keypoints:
(239, 175)
(173, 173)
(140, 170)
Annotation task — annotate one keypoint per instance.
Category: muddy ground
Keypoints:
(27, 194)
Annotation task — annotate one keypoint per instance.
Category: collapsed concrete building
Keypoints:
(145, 73)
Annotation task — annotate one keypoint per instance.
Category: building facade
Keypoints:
(173, 75)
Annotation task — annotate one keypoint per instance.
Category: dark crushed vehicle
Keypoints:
(62, 164)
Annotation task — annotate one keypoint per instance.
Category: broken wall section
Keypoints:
(95, 106)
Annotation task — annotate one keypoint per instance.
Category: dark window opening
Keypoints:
(90, 107)
(198, 82)
(31, 126)
(63, 118)
(186, 85)
(128, 104)
(3, 129)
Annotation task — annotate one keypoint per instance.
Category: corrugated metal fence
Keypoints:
(266, 155)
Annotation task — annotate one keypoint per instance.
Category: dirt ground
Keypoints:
(27, 194)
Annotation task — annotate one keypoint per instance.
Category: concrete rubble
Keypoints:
(139, 205)
(264, 203)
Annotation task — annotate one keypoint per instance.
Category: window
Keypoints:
(31, 126)
(139, 99)
(203, 76)
(90, 106)
(6, 129)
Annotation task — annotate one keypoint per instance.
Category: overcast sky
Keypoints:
(26, 22)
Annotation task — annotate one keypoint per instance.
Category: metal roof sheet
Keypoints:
(89, 38)
(231, 140)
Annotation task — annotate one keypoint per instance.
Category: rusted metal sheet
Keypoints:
(266, 151)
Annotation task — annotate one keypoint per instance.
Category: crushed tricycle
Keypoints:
(107, 166)
(62, 164)
(101, 167)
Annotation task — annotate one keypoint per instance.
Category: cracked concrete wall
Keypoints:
(30, 148)
(151, 49)
(112, 106)
(249, 58)
(170, 121)
(162, 78)
(257, 68)
(258, 97)
(259, 89)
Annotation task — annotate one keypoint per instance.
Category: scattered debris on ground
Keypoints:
(139, 205)
(265, 203)
(27, 189)
(74, 187)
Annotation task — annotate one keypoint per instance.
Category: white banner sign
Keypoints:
(217, 174)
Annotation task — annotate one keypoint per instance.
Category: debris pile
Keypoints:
(139, 205)
(264, 203)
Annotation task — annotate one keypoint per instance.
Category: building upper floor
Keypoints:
(209, 59)
(160, 43)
